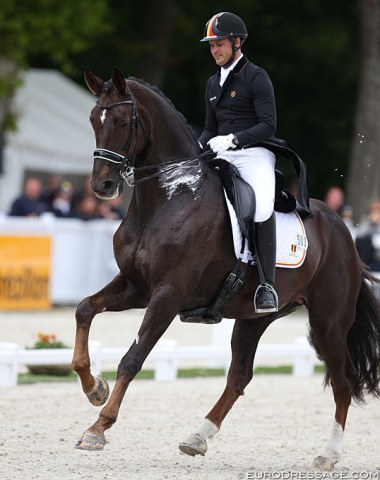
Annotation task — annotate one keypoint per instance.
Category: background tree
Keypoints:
(364, 178)
(54, 30)
(309, 48)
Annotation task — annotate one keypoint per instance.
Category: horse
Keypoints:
(174, 249)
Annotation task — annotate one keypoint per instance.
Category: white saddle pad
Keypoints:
(290, 235)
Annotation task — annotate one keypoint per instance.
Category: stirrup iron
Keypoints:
(270, 288)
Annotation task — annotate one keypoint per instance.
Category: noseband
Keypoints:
(127, 164)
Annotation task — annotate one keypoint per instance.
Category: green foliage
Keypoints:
(46, 340)
(27, 378)
(309, 48)
(49, 28)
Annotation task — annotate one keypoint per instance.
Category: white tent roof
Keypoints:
(53, 132)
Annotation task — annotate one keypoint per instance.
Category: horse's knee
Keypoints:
(129, 366)
(84, 312)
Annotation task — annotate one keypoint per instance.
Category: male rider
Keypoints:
(240, 113)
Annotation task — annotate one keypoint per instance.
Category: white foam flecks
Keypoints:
(181, 175)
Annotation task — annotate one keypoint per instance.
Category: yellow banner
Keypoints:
(24, 272)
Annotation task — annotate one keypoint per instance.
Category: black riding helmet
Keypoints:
(225, 25)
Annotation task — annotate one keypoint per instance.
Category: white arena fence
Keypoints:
(165, 358)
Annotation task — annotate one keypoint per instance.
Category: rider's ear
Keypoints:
(118, 80)
(94, 83)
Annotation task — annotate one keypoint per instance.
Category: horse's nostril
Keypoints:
(108, 186)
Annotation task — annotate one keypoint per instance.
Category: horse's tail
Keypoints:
(363, 341)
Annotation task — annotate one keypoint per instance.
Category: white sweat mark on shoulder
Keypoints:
(103, 116)
(183, 174)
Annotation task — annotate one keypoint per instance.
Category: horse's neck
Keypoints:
(170, 136)
(171, 141)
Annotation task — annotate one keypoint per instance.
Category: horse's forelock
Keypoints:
(108, 86)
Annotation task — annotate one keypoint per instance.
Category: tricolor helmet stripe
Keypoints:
(224, 25)
(209, 32)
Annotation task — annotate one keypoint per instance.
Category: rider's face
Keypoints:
(221, 50)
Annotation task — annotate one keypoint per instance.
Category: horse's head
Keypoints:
(118, 132)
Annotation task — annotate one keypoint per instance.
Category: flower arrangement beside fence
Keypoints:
(49, 340)
(46, 340)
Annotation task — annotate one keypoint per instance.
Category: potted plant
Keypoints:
(45, 340)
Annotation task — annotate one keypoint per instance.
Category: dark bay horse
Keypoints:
(174, 249)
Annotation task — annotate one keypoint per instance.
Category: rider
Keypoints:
(241, 112)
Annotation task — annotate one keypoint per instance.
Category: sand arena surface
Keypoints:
(280, 425)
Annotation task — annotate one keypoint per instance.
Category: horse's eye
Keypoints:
(124, 122)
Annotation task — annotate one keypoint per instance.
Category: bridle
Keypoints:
(126, 162)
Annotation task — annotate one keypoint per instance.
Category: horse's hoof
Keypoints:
(90, 441)
(323, 463)
(194, 445)
(100, 393)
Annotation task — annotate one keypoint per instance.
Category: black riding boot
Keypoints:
(266, 300)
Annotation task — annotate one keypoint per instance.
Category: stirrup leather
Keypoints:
(269, 288)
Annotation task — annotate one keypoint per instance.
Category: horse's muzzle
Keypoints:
(106, 189)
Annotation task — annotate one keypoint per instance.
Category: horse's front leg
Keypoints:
(118, 295)
(160, 313)
(245, 337)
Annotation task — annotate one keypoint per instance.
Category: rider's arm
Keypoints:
(264, 105)
(210, 129)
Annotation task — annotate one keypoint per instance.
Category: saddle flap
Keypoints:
(238, 191)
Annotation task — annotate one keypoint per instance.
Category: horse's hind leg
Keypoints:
(329, 335)
(116, 296)
(245, 337)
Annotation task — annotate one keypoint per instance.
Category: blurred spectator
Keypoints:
(347, 215)
(87, 208)
(334, 198)
(368, 238)
(30, 203)
(83, 192)
(110, 209)
(62, 203)
(49, 193)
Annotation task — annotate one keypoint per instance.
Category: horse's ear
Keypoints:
(94, 83)
(118, 80)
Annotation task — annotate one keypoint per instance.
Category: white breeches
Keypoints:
(256, 166)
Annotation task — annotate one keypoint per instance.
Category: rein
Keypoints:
(128, 169)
